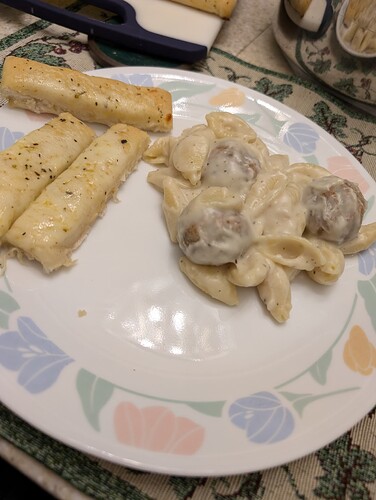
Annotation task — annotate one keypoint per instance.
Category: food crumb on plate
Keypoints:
(81, 313)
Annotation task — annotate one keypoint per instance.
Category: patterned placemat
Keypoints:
(345, 468)
(325, 60)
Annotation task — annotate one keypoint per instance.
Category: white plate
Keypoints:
(157, 376)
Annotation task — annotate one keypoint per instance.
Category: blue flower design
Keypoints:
(367, 260)
(7, 137)
(28, 351)
(301, 137)
(263, 417)
(144, 80)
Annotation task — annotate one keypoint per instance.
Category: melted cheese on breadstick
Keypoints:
(90, 98)
(60, 218)
(35, 160)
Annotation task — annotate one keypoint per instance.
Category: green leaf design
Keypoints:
(320, 368)
(40, 52)
(347, 65)
(249, 486)
(370, 203)
(180, 89)
(293, 396)
(94, 393)
(7, 306)
(278, 91)
(329, 121)
(211, 408)
(300, 401)
(367, 290)
(319, 66)
(251, 119)
(347, 86)
(347, 470)
(311, 159)
(185, 487)
(277, 124)
(320, 360)
(350, 65)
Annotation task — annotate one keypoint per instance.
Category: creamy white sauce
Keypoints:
(335, 209)
(246, 224)
(231, 164)
(285, 215)
(211, 235)
(214, 235)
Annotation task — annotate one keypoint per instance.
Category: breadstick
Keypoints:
(222, 8)
(35, 160)
(42, 88)
(60, 218)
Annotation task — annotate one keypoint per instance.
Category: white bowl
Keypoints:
(340, 32)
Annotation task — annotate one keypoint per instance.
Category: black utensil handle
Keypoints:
(127, 34)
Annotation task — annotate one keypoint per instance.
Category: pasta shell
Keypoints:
(225, 124)
(275, 292)
(334, 264)
(175, 199)
(212, 280)
(265, 189)
(365, 238)
(250, 270)
(158, 153)
(291, 251)
(190, 153)
(157, 177)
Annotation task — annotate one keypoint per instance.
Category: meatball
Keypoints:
(230, 163)
(211, 235)
(335, 208)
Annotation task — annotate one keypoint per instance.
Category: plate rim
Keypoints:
(158, 469)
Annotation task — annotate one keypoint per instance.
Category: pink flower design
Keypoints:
(343, 167)
(228, 97)
(157, 428)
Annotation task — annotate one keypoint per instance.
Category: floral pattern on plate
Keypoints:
(158, 430)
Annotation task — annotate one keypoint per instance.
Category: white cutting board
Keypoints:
(177, 21)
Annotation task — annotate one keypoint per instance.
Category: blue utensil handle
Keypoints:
(127, 34)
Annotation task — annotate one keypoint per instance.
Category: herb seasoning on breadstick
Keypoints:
(42, 88)
(34, 161)
(61, 217)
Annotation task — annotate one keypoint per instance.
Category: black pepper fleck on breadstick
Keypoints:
(42, 88)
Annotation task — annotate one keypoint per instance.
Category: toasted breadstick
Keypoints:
(60, 218)
(222, 8)
(35, 160)
(48, 89)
